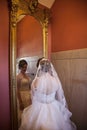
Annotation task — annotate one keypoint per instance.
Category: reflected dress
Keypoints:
(24, 92)
(48, 110)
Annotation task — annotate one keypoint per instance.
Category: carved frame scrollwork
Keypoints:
(18, 8)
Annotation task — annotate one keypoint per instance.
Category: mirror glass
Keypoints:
(29, 48)
(29, 41)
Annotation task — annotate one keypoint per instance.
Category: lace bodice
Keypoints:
(48, 88)
(43, 98)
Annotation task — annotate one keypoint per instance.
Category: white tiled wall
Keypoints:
(71, 67)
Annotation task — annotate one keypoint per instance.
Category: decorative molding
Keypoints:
(29, 7)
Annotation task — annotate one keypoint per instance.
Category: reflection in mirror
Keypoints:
(29, 48)
(28, 41)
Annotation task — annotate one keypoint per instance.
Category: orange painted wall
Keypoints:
(4, 67)
(69, 25)
(29, 37)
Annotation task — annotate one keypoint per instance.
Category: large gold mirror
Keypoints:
(22, 10)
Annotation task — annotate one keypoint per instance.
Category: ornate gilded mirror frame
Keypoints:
(20, 8)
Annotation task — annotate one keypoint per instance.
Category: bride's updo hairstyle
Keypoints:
(45, 65)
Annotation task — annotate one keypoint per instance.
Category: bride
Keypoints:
(49, 109)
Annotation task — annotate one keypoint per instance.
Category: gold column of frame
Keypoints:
(13, 78)
(44, 22)
(13, 42)
(45, 41)
(23, 7)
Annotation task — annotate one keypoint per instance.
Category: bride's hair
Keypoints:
(39, 61)
(45, 65)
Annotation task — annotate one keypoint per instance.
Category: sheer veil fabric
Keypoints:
(50, 78)
(49, 109)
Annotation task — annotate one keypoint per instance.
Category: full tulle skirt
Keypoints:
(46, 116)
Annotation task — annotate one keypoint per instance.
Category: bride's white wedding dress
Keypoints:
(49, 109)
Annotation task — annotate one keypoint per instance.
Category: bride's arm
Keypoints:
(60, 97)
(33, 86)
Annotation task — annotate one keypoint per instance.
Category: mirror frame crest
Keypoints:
(20, 8)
